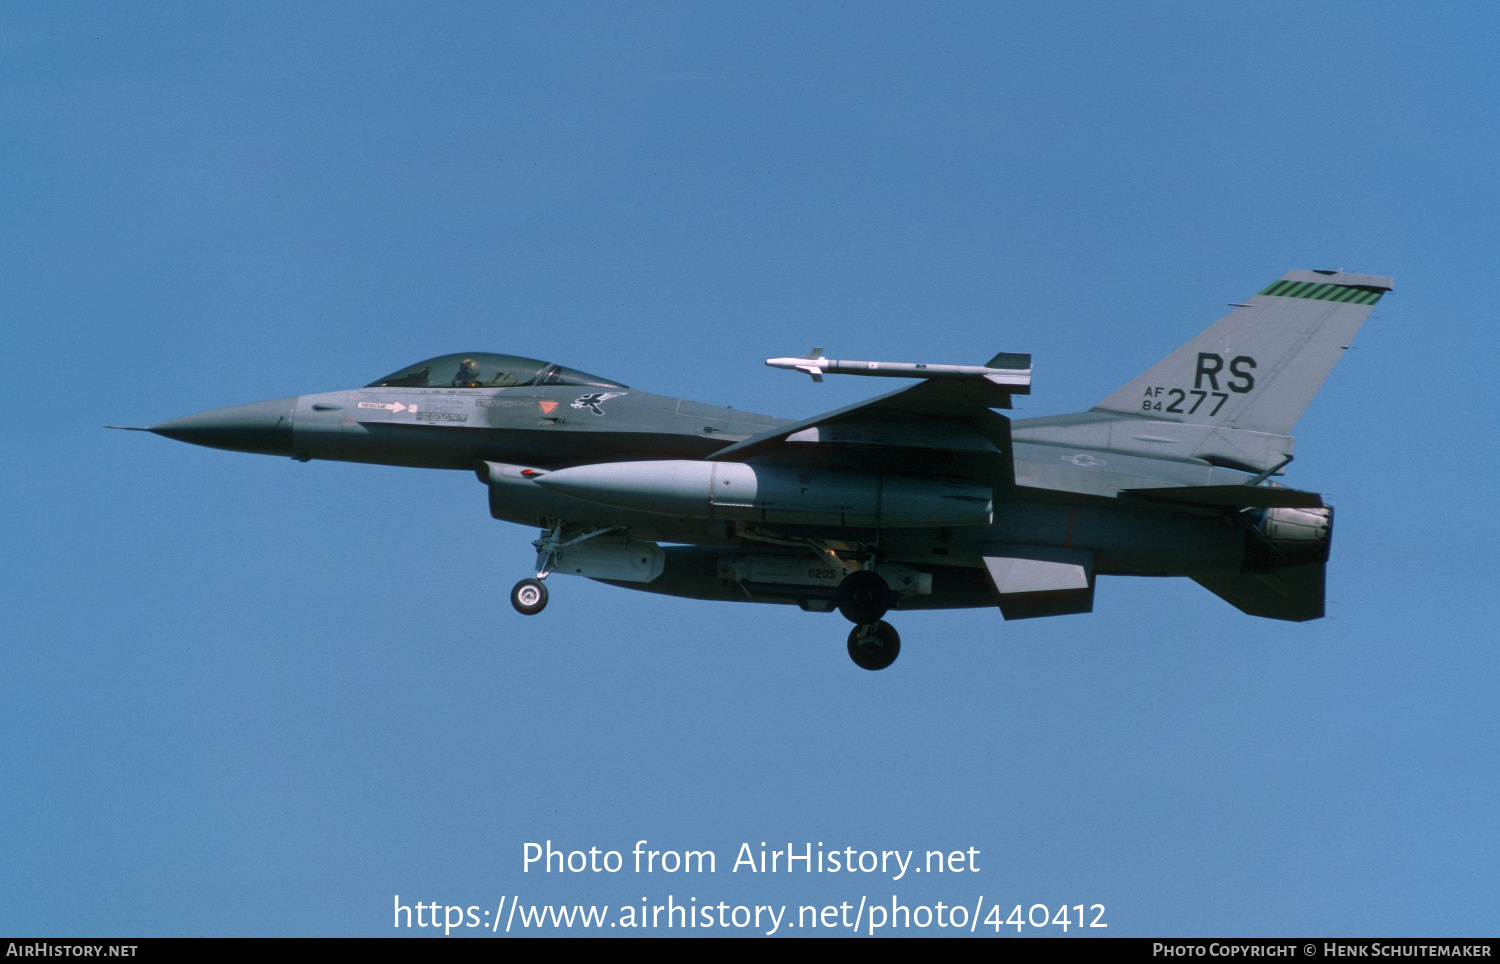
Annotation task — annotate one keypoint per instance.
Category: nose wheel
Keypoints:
(874, 645)
(529, 596)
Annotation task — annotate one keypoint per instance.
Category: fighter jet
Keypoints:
(923, 498)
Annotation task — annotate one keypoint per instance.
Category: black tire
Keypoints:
(874, 645)
(529, 596)
(863, 597)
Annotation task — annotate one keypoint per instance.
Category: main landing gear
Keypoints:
(864, 598)
(874, 645)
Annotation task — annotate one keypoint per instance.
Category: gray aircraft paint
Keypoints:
(943, 498)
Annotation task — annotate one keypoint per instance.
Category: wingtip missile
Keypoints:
(1014, 377)
(808, 364)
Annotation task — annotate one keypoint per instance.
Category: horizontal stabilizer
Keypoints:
(1294, 593)
(1230, 496)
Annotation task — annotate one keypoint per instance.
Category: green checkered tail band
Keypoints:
(1347, 294)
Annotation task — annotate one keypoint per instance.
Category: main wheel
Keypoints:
(529, 596)
(874, 645)
(863, 597)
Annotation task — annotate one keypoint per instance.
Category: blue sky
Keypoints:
(247, 696)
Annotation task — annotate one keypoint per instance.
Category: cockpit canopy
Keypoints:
(482, 370)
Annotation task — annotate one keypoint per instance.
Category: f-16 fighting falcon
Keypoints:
(923, 498)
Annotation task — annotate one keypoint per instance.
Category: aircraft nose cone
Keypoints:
(261, 427)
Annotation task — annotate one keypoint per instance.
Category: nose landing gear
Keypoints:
(529, 596)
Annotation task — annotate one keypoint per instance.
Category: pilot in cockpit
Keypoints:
(468, 374)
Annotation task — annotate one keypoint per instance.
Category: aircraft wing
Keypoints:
(939, 427)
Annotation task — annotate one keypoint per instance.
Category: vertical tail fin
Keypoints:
(1259, 366)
